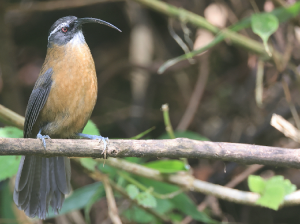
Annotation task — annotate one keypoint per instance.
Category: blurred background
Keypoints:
(212, 95)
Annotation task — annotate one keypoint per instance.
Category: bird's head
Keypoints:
(69, 28)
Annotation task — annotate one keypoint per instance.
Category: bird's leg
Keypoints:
(96, 137)
(42, 137)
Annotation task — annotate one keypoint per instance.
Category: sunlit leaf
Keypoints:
(146, 199)
(166, 166)
(91, 129)
(9, 164)
(264, 25)
(256, 184)
(272, 191)
(143, 133)
(11, 132)
(132, 191)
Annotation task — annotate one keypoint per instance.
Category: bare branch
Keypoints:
(285, 127)
(174, 148)
(96, 175)
(112, 206)
(189, 182)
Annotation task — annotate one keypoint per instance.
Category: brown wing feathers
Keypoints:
(40, 181)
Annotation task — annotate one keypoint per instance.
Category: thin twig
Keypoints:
(259, 83)
(178, 39)
(9, 117)
(197, 94)
(292, 106)
(231, 184)
(285, 127)
(242, 176)
(96, 175)
(112, 207)
(189, 182)
(234, 37)
(169, 128)
(144, 188)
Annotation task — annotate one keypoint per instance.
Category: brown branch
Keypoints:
(9, 117)
(285, 127)
(98, 176)
(191, 110)
(173, 148)
(231, 184)
(112, 206)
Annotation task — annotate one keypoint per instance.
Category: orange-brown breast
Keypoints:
(73, 93)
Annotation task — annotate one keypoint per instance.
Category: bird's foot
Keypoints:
(105, 140)
(43, 137)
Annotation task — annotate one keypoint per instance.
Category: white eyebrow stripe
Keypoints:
(58, 28)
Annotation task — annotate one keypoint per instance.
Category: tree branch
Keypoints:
(190, 183)
(199, 21)
(174, 148)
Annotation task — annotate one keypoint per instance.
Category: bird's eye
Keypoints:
(64, 29)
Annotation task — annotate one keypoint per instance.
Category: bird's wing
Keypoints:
(37, 100)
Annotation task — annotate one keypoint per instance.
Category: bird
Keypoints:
(59, 107)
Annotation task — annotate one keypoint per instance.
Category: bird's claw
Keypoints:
(105, 140)
(43, 137)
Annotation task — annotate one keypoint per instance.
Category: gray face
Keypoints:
(63, 30)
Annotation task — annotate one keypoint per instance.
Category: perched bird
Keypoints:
(59, 106)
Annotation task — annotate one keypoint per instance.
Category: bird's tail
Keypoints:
(42, 181)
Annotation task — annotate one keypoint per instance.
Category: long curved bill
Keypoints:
(81, 21)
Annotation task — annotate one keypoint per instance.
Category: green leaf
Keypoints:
(146, 199)
(176, 217)
(185, 134)
(289, 187)
(98, 194)
(272, 197)
(284, 183)
(134, 159)
(6, 204)
(139, 215)
(111, 171)
(91, 129)
(181, 202)
(79, 199)
(88, 163)
(272, 191)
(132, 191)
(11, 132)
(283, 14)
(143, 133)
(256, 184)
(264, 25)
(9, 166)
(166, 166)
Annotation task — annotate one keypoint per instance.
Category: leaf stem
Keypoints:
(169, 128)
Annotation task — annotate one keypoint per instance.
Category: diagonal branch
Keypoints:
(191, 183)
(199, 21)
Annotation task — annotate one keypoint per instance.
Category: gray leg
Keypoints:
(96, 137)
(42, 137)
